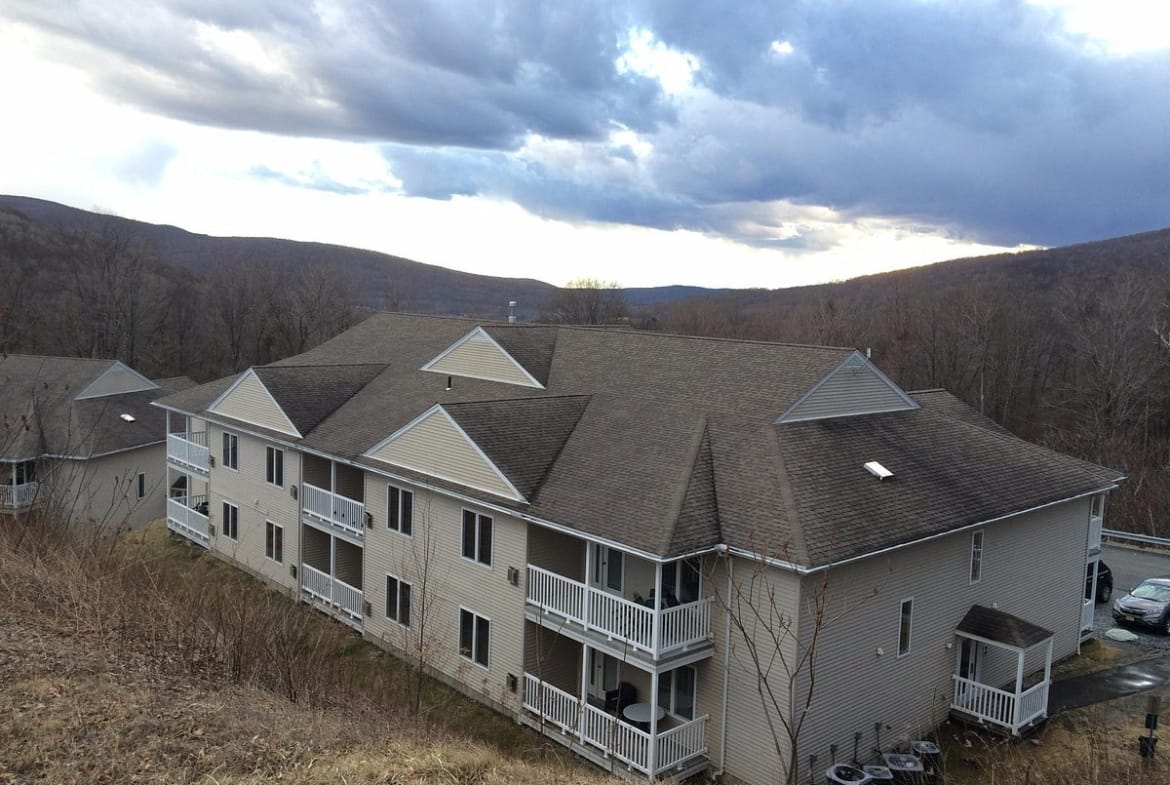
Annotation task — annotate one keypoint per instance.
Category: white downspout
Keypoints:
(726, 671)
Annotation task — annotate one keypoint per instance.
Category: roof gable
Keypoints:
(250, 401)
(116, 380)
(854, 387)
(479, 356)
(434, 444)
(308, 394)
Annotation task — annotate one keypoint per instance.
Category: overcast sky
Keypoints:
(727, 143)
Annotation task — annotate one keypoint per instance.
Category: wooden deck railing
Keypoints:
(651, 755)
(654, 632)
(345, 513)
(189, 449)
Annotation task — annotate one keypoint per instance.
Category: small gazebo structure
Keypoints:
(997, 648)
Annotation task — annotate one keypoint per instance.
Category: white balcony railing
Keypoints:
(1001, 707)
(339, 511)
(17, 497)
(189, 450)
(188, 516)
(654, 632)
(1088, 610)
(331, 591)
(651, 755)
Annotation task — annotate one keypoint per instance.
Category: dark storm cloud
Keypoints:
(986, 120)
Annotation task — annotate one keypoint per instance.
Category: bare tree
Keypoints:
(586, 301)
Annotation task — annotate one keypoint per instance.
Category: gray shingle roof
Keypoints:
(668, 443)
(995, 625)
(39, 416)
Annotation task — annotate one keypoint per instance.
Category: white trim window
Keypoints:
(905, 623)
(676, 692)
(976, 573)
(231, 451)
(477, 537)
(274, 466)
(231, 521)
(475, 637)
(274, 541)
(397, 600)
(400, 510)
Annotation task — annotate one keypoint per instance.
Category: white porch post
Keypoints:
(955, 685)
(652, 763)
(332, 478)
(584, 688)
(332, 564)
(1019, 689)
(659, 602)
(588, 584)
(1047, 674)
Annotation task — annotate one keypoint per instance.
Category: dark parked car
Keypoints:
(1148, 605)
(1104, 583)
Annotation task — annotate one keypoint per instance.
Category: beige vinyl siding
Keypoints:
(479, 357)
(103, 492)
(857, 687)
(751, 747)
(552, 657)
(709, 676)
(847, 391)
(258, 502)
(450, 582)
(118, 379)
(249, 401)
(436, 447)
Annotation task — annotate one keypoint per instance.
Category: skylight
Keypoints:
(879, 471)
(127, 417)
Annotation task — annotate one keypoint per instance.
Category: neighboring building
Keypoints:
(80, 435)
(518, 496)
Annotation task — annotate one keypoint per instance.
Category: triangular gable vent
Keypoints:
(118, 379)
(854, 387)
(478, 356)
(435, 445)
(248, 400)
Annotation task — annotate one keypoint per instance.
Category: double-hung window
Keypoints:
(905, 619)
(976, 556)
(231, 451)
(231, 521)
(475, 635)
(477, 537)
(398, 600)
(400, 510)
(274, 541)
(274, 466)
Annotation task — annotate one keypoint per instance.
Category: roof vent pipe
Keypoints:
(448, 382)
(868, 353)
(511, 312)
(879, 471)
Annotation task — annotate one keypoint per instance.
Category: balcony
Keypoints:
(667, 752)
(656, 632)
(188, 516)
(335, 510)
(18, 497)
(332, 592)
(189, 450)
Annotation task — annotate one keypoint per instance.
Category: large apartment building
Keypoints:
(658, 550)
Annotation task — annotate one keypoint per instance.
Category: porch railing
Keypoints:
(331, 591)
(189, 449)
(618, 618)
(17, 497)
(184, 517)
(345, 513)
(1000, 707)
(625, 742)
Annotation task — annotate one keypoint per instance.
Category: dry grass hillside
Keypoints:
(145, 663)
(148, 661)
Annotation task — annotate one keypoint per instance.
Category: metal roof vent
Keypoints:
(879, 471)
(127, 417)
